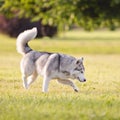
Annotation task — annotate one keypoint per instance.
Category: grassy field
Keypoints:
(98, 98)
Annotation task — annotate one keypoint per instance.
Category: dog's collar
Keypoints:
(59, 64)
(67, 73)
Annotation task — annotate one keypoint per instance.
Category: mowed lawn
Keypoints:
(98, 98)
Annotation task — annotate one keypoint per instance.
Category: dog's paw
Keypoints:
(25, 86)
(76, 90)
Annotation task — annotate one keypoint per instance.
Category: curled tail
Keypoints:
(23, 39)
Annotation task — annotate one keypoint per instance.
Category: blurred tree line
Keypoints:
(53, 15)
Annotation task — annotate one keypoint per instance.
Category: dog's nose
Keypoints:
(84, 80)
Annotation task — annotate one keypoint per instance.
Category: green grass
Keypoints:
(99, 97)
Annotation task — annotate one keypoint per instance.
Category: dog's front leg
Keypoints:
(45, 84)
(70, 83)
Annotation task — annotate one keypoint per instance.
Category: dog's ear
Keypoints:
(78, 61)
(82, 59)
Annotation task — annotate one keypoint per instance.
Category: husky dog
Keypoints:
(49, 65)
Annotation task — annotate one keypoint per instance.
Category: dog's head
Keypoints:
(78, 71)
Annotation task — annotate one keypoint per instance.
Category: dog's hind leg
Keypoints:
(32, 78)
(27, 68)
(68, 82)
(24, 78)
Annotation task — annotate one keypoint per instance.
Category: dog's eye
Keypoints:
(81, 71)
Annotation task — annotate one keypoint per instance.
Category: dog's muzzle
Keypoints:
(84, 80)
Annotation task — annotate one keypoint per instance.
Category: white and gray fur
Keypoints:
(49, 65)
